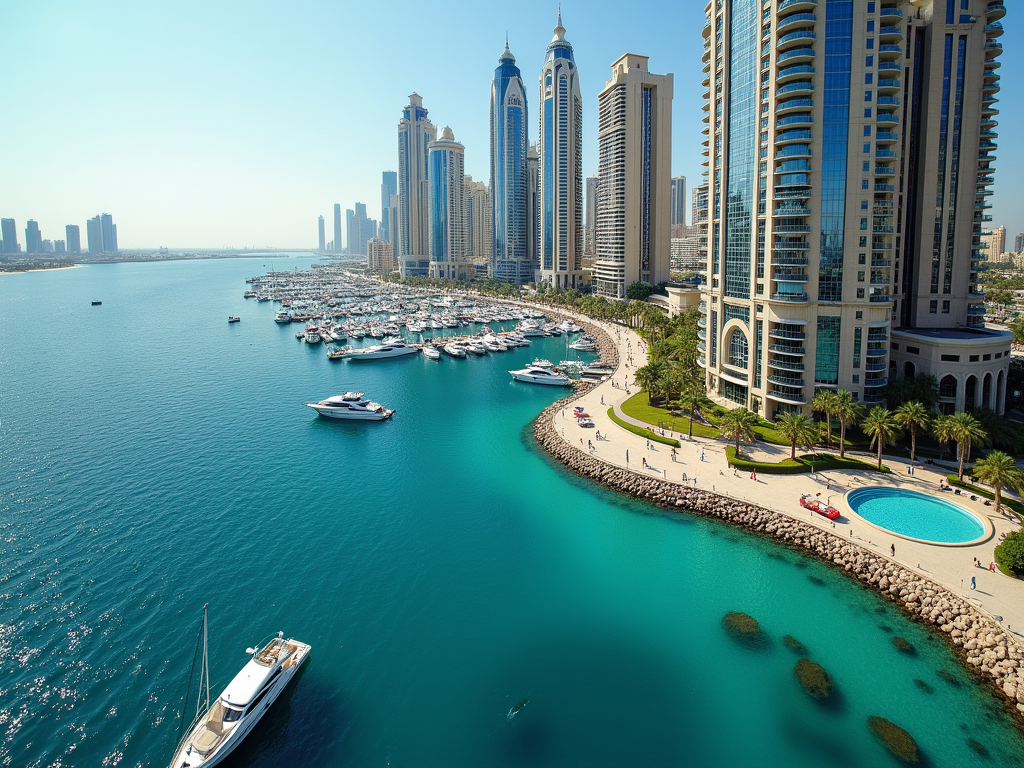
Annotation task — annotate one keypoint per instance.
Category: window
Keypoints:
(230, 714)
(871, 7)
(894, 346)
(867, 112)
(947, 387)
(863, 223)
(869, 61)
(974, 358)
(933, 307)
(913, 350)
(869, 44)
(1000, 354)
(945, 307)
(856, 377)
(867, 130)
(826, 363)
(861, 258)
(864, 240)
(859, 314)
(738, 349)
(860, 276)
(869, 78)
(864, 185)
(949, 358)
(864, 203)
(860, 293)
(986, 357)
(871, 25)
(867, 95)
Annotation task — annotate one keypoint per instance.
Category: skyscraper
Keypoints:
(393, 227)
(33, 237)
(1018, 243)
(679, 201)
(479, 225)
(94, 234)
(446, 200)
(74, 237)
(590, 231)
(322, 235)
(337, 228)
(635, 167)
(108, 233)
(561, 166)
(9, 231)
(533, 203)
(509, 144)
(388, 187)
(841, 246)
(415, 132)
(360, 229)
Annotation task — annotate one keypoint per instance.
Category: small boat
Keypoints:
(817, 505)
(475, 347)
(453, 350)
(351, 406)
(97, 303)
(233, 319)
(390, 348)
(431, 353)
(584, 344)
(537, 373)
(597, 371)
(217, 730)
(312, 334)
(282, 317)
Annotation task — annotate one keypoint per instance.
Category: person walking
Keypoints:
(892, 549)
(627, 455)
(974, 582)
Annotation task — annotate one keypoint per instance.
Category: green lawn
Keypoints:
(642, 431)
(807, 462)
(639, 407)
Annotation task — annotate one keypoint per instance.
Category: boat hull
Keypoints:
(365, 356)
(345, 415)
(526, 378)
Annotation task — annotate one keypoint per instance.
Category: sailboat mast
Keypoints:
(206, 658)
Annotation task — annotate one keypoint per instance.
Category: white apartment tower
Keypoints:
(635, 169)
(415, 132)
(561, 166)
(447, 205)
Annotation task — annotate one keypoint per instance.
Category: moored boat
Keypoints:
(352, 406)
(541, 372)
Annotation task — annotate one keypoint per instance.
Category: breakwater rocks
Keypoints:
(983, 643)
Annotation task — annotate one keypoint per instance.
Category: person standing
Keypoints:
(974, 582)
(892, 549)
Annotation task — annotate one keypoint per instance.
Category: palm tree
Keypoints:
(942, 430)
(848, 412)
(824, 402)
(913, 416)
(693, 400)
(966, 432)
(999, 470)
(881, 425)
(797, 428)
(738, 424)
(647, 376)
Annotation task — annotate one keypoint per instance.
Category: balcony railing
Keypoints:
(796, 298)
(785, 349)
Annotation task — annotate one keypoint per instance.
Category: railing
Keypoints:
(879, 382)
(881, 298)
(794, 120)
(887, 82)
(782, 349)
(794, 211)
(799, 34)
(794, 53)
(784, 365)
(787, 277)
(797, 298)
(785, 381)
(796, 69)
(787, 397)
(779, 333)
(790, 245)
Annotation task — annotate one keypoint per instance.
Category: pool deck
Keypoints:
(951, 567)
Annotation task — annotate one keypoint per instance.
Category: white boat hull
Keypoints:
(347, 415)
(400, 352)
(549, 381)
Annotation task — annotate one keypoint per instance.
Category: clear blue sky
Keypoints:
(229, 123)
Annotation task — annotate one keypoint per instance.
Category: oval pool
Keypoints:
(916, 515)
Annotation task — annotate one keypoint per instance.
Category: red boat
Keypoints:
(817, 505)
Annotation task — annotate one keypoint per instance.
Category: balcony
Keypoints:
(871, 398)
(890, 33)
(889, 66)
(794, 150)
(797, 37)
(876, 351)
(782, 122)
(799, 86)
(880, 298)
(793, 104)
(884, 170)
(995, 11)
(785, 365)
(884, 188)
(790, 245)
(783, 333)
(783, 349)
(794, 228)
(798, 70)
(977, 310)
(883, 229)
(888, 85)
(889, 51)
(793, 188)
(796, 56)
(890, 12)
(888, 101)
(887, 117)
(796, 18)
(796, 5)
(702, 334)
(787, 397)
(792, 298)
(881, 381)
(790, 261)
(789, 277)
(879, 152)
(885, 137)
(787, 137)
(792, 210)
(786, 381)
(995, 29)
(881, 262)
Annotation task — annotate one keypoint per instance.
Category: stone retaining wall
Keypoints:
(982, 642)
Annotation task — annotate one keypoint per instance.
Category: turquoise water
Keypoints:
(916, 515)
(154, 458)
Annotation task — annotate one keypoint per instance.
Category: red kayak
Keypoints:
(817, 505)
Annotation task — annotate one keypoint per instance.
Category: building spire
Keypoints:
(559, 14)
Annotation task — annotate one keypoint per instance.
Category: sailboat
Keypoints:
(216, 730)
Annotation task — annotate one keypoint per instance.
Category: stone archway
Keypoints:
(971, 392)
(1000, 393)
(987, 400)
(909, 370)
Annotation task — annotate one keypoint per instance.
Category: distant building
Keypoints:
(635, 156)
(388, 188)
(533, 204)
(679, 201)
(9, 233)
(447, 200)
(379, 256)
(360, 229)
(108, 230)
(479, 224)
(74, 238)
(322, 239)
(561, 164)
(393, 222)
(94, 235)
(997, 244)
(699, 221)
(687, 253)
(590, 226)
(33, 237)
(415, 132)
(1018, 243)
(337, 228)
(59, 246)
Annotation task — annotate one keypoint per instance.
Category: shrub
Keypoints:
(642, 431)
(1008, 503)
(819, 462)
(1010, 554)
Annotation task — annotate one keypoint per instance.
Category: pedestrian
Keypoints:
(702, 454)
(893, 550)
(974, 582)
(627, 456)
(752, 476)
(908, 469)
(602, 399)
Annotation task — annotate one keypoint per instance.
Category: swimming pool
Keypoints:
(916, 515)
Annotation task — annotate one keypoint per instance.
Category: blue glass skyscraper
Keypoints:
(511, 260)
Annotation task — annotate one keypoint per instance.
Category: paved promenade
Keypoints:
(702, 462)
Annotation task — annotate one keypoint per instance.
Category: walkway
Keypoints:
(703, 463)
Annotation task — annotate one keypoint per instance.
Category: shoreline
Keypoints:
(39, 269)
(981, 644)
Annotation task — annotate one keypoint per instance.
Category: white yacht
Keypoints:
(529, 329)
(473, 346)
(312, 334)
(353, 406)
(431, 352)
(390, 348)
(584, 344)
(541, 373)
(453, 350)
(569, 326)
(493, 344)
(216, 732)
(282, 317)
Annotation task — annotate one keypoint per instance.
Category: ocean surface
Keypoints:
(154, 458)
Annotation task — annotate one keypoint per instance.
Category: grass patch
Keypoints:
(642, 431)
(821, 462)
(1009, 503)
(639, 407)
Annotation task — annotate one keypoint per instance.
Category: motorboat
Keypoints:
(541, 374)
(414, 327)
(282, 317)
(597, 371)
(390, 348)
(569, 326)
(493, 344)
(453, 350)
(234, 319)
(431, 352)
(530, 330)
(552, 330)
(217, 730)
(338, 335)
(97, 303)
(584, 344)
(353, 406)
(817, 505)
(312, 334)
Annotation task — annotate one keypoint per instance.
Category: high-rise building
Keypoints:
(74, 238)
(94, 235)
(699, 226)
(9, 233)
(509, 145)
(533, 203)
(393, 217)
(108, 232)
(1018, 243)
(997, 242)
(635, 167)
(388, 187)
(337, 228)
(561, 166)
(33, 237)
(447, 200)
(590, 225)
(59, 246)
(321, 235)
(415, 132)
(842, 249)
(360, 229)
(679, 201)
(479, 224)
(379, 256)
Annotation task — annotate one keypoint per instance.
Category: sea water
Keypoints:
(154, 459)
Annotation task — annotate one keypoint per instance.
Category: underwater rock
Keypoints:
(743, 627)
(903, 646)
(897, 740)
(816, 682)
(794, 645)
